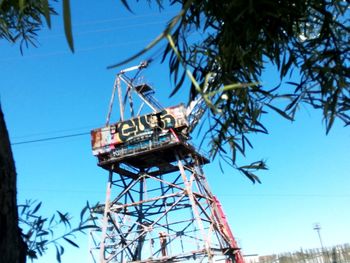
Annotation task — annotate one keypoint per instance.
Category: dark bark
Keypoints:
(12, 246)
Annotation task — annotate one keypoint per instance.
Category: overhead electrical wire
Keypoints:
(50, 138)
(155, 55)
(52, 133)
(133, 17)
(87, 49)
(89, 32)
(110, 29)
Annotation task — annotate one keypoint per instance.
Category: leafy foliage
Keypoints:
(20, 20)
(304, 39)
(40, 232)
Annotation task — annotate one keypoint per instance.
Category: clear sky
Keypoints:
(50, 92)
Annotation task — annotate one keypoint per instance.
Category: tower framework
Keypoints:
(158, 207)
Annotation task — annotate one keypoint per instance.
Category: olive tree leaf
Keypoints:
(68, 24)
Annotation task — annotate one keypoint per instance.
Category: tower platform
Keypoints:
(155, 155)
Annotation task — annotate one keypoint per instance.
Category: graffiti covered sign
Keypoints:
(105, 139)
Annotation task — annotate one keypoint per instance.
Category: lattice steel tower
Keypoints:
(158, 207)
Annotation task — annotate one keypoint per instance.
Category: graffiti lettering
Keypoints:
(130, 128)
(167, 120)
(106, 139)
(126, 129)
(145, 121)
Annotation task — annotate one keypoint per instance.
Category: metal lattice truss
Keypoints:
(158, 207)
(165, 218)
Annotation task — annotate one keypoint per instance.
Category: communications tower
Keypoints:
(158, 207)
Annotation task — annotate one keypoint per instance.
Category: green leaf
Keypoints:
(58, 254)
(71, 242)
(236, 145)
(42, 244)
(29, 234)
(293, 103)
(234, 155)
(36, 208)
(62, 250)
(252, 177)
(282, 113)
(64, 218)
(68, 24)
(31, 254)
(125, 3)
(220, 166)
(24, 209)
(286, 66)
(178, 84)
(42, 233)
(87, 227)
(83, 211)
(52, 219)
(259, 165)
(21, 4)
(160, 37)
(46, 9)
(330, 123)
(140, 53)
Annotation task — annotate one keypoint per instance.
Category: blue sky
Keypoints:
(50, 92)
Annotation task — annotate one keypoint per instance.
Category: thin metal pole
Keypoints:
(120, 98)
(140, 220)
(131, 103)
(152, 225)
(194, 207)
(111, 101)
(317, 227)
(165, 207)
(105, 217)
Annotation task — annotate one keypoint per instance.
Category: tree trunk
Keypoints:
(12, 246)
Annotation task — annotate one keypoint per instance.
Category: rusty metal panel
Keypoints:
(105, 139)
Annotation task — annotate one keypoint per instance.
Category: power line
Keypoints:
(133, 17)
(51, 138)
(103, 30)
(54, 132)
(87, 49)
(89, 32)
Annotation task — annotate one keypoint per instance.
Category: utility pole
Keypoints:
(317, 227)
(325, 254)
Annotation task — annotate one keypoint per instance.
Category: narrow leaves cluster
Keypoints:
(39, 232)
(235, 40)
